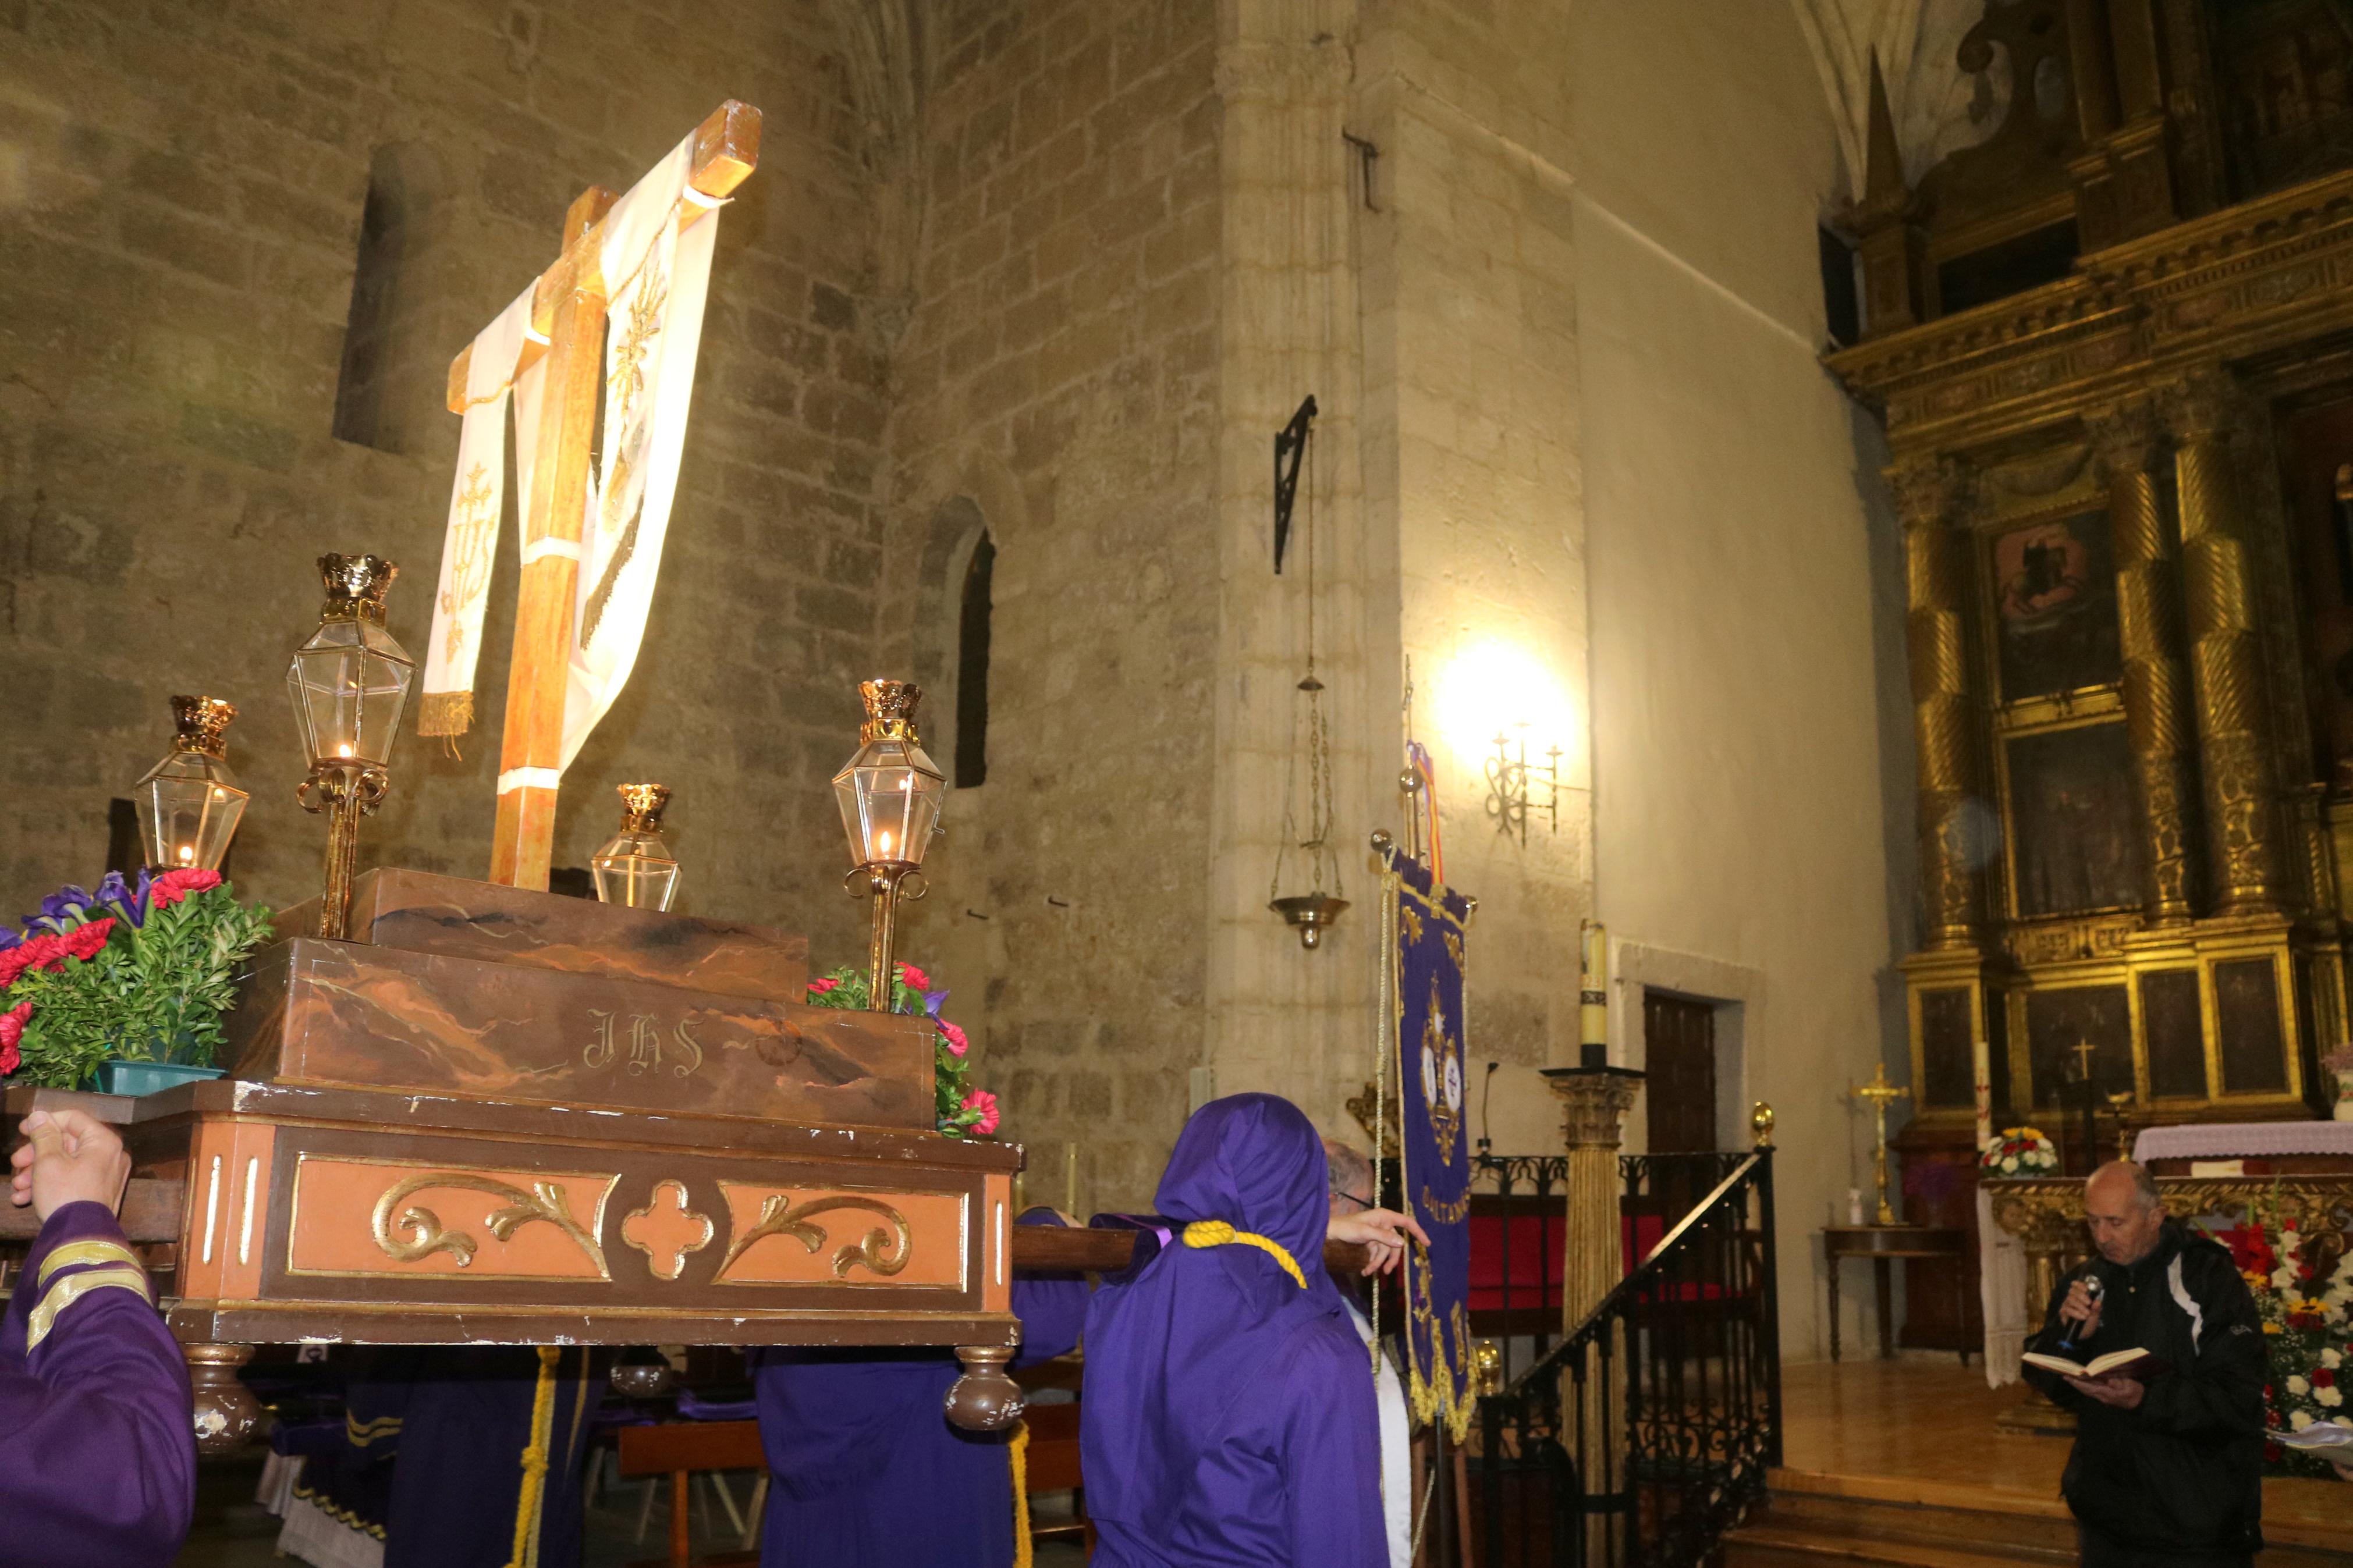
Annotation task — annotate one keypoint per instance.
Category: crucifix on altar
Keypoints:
(612, 326)
(1881, 1094)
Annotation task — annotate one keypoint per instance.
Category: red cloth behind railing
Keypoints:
(1538, 1246)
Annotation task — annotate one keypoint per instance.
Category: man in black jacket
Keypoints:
(2166, 1470)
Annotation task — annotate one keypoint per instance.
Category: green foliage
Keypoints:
(153, 993)
(961, 1111)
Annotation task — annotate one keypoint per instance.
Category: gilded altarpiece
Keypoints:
(2113, 346)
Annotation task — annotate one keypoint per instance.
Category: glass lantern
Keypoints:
(635, 867)
(350, 682)
(189, 804)
(890, 792)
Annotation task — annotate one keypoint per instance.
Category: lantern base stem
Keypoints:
(885, 882)
(345, 794)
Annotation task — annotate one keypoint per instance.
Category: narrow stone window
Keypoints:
(368, 330)
(972, 668)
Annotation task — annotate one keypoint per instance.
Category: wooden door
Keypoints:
(1679, 1038)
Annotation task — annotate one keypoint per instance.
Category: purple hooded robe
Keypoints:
(98, 1452)
(866, 1472)
(1228, 1416)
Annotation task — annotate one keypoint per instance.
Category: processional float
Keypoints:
(476, 1112)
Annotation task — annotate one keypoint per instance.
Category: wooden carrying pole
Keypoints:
(567, 309)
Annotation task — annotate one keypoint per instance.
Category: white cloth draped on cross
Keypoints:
(657, 273)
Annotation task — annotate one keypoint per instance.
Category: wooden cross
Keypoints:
(2083, 1051)
(568, 326)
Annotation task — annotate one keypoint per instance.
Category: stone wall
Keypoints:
(1751, 726)
(1057, 385)
(1056, 271)
(181, 199)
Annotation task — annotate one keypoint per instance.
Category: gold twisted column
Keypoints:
(1594, 1102)
(2242, 814)
(1930, 494)
(2159, 723)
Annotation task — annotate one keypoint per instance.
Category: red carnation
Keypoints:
(43, 951)
(2323, 1378)
(820, 987)
(2274, 1453)
(980, 1099)
(957, 1044)
(913, 979)
(11, 1029)
(173, 886)
(83, 942)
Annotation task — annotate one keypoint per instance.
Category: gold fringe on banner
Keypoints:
(446, 713)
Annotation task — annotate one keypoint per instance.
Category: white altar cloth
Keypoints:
(2242, 1139)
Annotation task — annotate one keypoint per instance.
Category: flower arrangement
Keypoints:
(2338, 1063)
(133, 972)
(2019, 1151)
(963, 1112)
(2304, 1318)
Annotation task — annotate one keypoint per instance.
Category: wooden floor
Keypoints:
(1923, 1432)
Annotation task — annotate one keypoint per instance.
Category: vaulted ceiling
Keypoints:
(1938, 108)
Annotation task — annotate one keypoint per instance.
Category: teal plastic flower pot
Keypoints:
(150, 1077)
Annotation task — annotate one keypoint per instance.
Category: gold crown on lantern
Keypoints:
(201, 722)
(356, 586)
(641, 806)
(890, 711)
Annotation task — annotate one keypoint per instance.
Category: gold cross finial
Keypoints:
(1879, 1091)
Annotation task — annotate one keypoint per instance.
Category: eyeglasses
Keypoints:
(1352, 1198)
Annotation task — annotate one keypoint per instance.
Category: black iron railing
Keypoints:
(1519, 1209)
(1645, 1434)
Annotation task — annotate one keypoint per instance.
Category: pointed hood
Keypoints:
(1171, 1353)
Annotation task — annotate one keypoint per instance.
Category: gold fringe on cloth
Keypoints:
(446, 713)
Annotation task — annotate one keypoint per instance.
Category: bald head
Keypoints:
(2123, 1211)
(1351, 1177)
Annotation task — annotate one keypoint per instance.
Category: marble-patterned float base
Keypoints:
(418, 911)
(347, 1015)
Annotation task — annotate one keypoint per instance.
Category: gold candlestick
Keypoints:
(1879, 1091)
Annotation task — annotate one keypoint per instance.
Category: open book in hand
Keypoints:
(2138, 1365)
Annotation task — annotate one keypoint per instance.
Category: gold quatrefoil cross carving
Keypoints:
(666, 1230)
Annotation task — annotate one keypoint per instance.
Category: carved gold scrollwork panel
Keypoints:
(857, 1238)
(368, 1218)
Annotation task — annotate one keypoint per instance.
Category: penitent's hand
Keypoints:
(1381, 1231)
(70, 1159)
(2124, 1393)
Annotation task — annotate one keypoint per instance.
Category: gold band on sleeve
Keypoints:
(72, 1289)
(74, 1254)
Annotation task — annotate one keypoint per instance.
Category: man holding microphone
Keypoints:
(2166, 1470)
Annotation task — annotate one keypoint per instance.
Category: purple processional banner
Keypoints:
(1425, 921)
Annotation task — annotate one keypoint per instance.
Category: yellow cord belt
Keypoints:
(1218, 1233)
(535, 1461)
(1020, 1450)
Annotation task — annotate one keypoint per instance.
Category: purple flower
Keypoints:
(61, 910)
(9, 939)
(119, 896)
(933, 1001)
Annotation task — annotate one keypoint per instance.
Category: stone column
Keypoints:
(2157, 714)
(1594, 1102)
(2243, 815)
(1931, 496)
